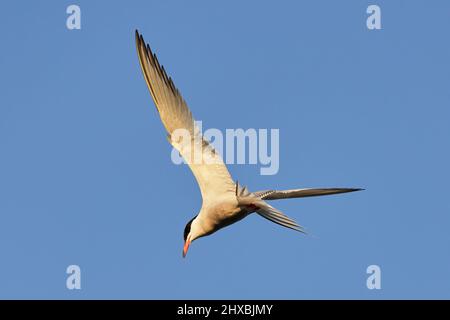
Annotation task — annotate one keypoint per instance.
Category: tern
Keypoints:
(224, 201)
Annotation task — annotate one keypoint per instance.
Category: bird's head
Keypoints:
(192, 231)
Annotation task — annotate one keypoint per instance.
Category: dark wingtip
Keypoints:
(137, 37)
(352, 189)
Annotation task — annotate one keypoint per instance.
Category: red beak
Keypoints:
(186, 247)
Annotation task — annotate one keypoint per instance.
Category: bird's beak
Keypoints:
(186, 247)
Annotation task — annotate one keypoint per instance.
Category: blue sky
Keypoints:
(85, 170)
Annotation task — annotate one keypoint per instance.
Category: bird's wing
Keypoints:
(207, 166)
(299, 193)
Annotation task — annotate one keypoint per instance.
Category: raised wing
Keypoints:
(207, 166)
(300, 193)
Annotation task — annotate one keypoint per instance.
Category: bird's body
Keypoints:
(224, 201)
(219, 214)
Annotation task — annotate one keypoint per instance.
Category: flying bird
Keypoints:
(224, 200)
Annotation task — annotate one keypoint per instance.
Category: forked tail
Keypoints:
(256, 201)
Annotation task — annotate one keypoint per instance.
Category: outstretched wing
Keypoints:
(207, 166)
(300, 193)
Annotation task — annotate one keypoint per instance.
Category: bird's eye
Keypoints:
(187, 229)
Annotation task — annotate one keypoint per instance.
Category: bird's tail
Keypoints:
(255, 202)
(272, 214)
